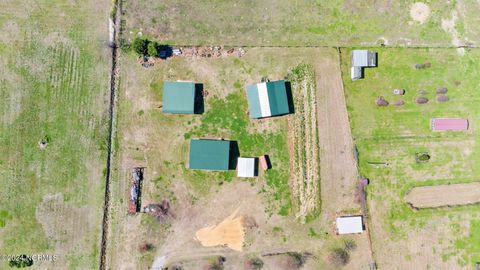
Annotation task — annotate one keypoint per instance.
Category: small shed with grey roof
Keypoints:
(362, 59)
(268, 99)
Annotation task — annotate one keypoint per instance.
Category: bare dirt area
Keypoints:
(420, 12)
(338, 167)
(230, 233)
(444, 195)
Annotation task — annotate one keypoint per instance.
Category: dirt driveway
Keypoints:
(338, 167)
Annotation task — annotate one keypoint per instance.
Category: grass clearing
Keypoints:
(55, 70)
(300, 23)
(388, 138)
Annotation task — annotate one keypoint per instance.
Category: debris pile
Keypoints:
(159, 211)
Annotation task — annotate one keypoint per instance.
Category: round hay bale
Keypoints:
(421, 100)
(422, 92)
(442, 98)
(399, 103)
(381, 102)
(442, 90)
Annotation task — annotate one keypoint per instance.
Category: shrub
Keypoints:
(339, 256)
(140, 46)
(255, 263)
(152, 49)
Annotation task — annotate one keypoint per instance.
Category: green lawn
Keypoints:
(388, 138)
(53, 85)
(254, 23)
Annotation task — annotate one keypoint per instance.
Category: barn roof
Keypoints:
(209, 155)
(444, 124)
(178, 97)
(267, 99)
(364, 58)
(349, 224)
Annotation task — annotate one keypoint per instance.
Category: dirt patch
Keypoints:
(338, 167)
(420, 12)
(448, 25)
(229, 232)
(444, 195)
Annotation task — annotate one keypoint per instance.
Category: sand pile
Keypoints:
(230, 232)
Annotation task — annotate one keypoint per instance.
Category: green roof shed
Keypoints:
(267, 99)
(211, 155)
(179, 97)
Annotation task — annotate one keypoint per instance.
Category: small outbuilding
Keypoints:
(349, 224)
(268, 99)
(246, 167)
(213, 155)
(362, 59)
(448, 124)
(180, 97)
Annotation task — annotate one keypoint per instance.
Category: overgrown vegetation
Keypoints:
(304, 132)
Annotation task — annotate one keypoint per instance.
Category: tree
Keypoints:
(153, 49)
(140, 46)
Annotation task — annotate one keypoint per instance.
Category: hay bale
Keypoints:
(421, 100)
(381, 102)
(442, 90)
(399, 103)
(442, 98)
(422, 92)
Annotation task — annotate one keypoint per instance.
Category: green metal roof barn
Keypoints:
(179, 97)
(267, 99)
(209, 155)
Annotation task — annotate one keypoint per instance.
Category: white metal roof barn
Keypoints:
(349, 225)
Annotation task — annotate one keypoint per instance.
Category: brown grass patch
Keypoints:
(444, 195)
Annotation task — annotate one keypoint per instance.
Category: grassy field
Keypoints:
(54, 68)
(388, 138)
(279, 23)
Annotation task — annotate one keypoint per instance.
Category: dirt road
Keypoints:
(444, 195)
(338, 167)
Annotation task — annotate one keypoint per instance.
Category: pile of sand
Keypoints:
(419, 12)
(230, 232)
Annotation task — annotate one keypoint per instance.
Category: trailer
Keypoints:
(135, 190)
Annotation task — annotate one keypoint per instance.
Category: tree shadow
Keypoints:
(199, 106)
(165, 51)
(233, 155)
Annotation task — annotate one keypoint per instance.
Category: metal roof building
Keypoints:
(246, 167)
(349, 224)
(267, 99)
(448, 124)
(179, 97)
(211, 155)
(362, 59)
